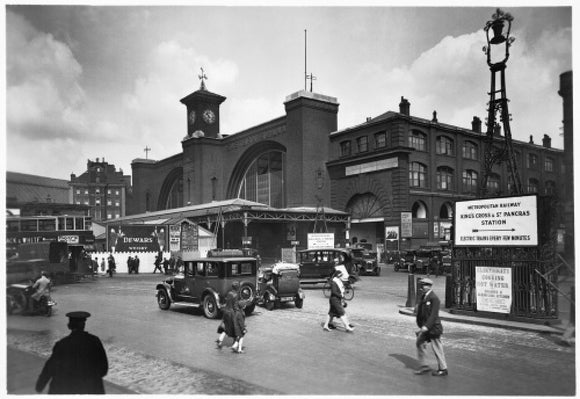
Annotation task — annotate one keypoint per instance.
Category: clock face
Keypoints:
(191, 117)
(208, 116)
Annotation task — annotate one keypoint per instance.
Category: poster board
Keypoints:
(493, 289)
(503, 221)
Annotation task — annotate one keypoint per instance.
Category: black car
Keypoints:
(365, 261)
(205, 282)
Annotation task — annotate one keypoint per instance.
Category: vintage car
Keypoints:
(427, 258)
(278, 284)
(365, 261)
(205, 282)
(404, 260)
(317, 265)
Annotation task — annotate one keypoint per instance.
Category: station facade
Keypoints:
(391, 181)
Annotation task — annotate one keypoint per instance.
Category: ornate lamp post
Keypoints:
(496, 152)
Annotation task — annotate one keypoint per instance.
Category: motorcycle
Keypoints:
(19, 301)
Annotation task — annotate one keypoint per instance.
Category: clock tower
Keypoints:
(203, 110)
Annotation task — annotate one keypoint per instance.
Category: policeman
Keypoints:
(78, 362)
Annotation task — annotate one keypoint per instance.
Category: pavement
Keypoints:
(23, 367)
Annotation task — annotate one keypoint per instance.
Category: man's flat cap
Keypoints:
(426, 281)
(79, 315)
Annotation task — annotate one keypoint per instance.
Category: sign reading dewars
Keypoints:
(136, 238)
(504, 221)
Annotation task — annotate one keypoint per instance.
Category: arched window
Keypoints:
(418, 141)
(444, 145)
(469, 181)
(264, 180)
(550, 188)
(470, 150)
(417, 175)
(533, 185)
(446, 211)
(363, 206)
(493, 183)
(444, 178)
(419, 210)
(175, 197)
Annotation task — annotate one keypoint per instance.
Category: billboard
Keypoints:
(320, 240)
(503, 221)
(493, 289)
(136, 238)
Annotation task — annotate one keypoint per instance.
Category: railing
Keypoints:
(534, 292)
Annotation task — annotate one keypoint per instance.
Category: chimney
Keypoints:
(404, 106)
(497, 130)
(476, 124)
(434, 117)
(531, 139)
(547, 141)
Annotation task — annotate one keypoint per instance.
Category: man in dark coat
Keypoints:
(78, 362)
(431, 329)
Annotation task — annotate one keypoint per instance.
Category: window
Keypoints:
(108, 192)
(98, 170)
(86, 191)
(109, 216)
(549, 164)
(117, 215)
(381, 140)
(533, 186)
(470, 150)
(419, 210)
(116, 203)
(97, 191)
(417, 175)
(241, 269)
(345, 149)
(97, 202)
(78, 202)
(493, 182)
(532, 161)
(418, 141)
(78, 191)
(109, 202)
(212, 269)
(116, 192)
(86, 202)
(362, 144)
(444, 145)
(550, 188)
(469, 181)
(444, 178)
(264, 180)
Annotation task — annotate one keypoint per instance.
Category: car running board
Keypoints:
(192, 305)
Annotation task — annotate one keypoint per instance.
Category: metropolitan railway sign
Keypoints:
(503, 221)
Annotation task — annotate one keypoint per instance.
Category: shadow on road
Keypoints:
(408, 361)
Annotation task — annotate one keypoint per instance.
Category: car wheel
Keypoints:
(163, 300)
(397, 268)
(268, 303)
(210, 307)
(9, 305)
(247, 292)
(299, 302)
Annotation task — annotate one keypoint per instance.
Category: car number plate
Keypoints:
(287, 299)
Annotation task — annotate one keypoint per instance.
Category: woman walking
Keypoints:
(336, 303)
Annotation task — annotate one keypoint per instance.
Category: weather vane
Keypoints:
(202, 77)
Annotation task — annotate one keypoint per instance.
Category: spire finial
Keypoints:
(203, 78)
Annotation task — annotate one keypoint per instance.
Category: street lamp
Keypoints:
(496, 152)
(497, 24)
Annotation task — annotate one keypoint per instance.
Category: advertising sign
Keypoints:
(320, 240)
(136, 238)
(493, 289)
(406, 224)
(175, 237)
(189, 237)
(504, 221)
(69, 239)
(391, 233)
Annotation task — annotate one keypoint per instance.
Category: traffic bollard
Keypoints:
(411, 292)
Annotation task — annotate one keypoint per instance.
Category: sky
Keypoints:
(104, 81)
